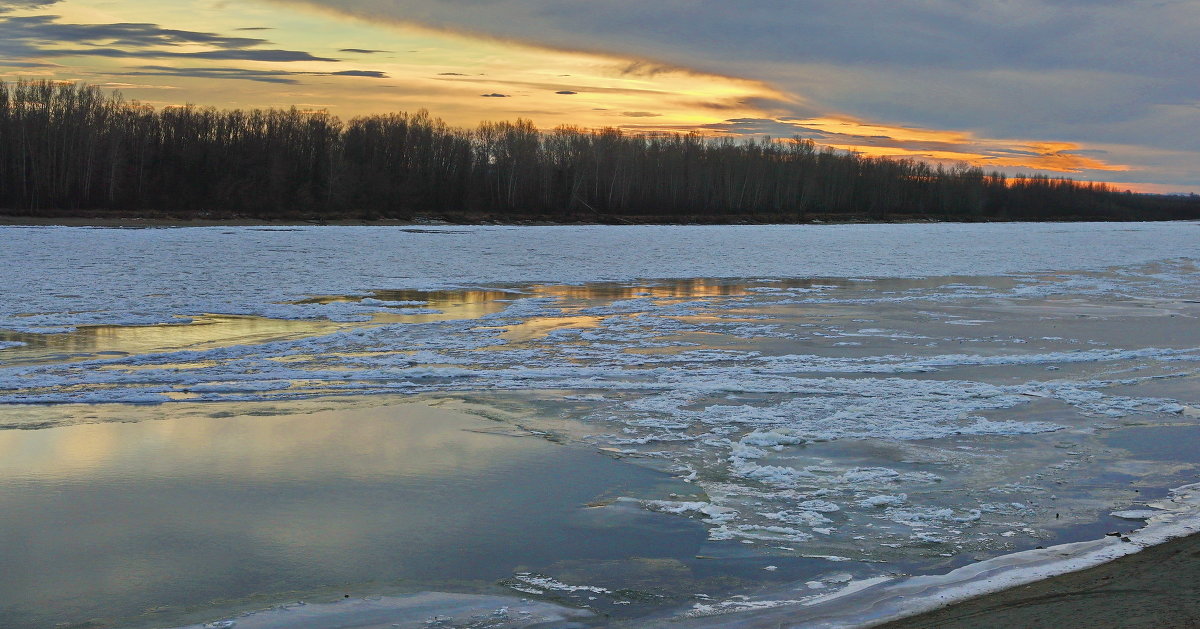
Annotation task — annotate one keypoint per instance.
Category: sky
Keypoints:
(1102, 90)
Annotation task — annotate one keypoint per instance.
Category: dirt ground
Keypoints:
(1158, 588)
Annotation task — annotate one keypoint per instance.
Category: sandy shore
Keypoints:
(1157, 588)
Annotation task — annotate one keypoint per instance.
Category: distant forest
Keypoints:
(70, 150)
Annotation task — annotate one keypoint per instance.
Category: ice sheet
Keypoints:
(852, 417)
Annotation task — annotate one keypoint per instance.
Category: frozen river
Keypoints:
(825, 404)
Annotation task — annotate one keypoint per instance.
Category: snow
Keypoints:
(1135, 514)
(548, 583)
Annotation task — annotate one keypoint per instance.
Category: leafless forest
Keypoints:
(70, 149)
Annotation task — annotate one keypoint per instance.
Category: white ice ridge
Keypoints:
(61, 276)
(879, 600)
(542, 582)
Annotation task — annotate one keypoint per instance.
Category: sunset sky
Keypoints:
(1098, 90)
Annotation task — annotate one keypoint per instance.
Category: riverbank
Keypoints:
(1157, 588)
(122, 221)
(133, 221)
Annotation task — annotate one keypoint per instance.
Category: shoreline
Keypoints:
(8, 220)
(1130, 592)
(132, 222)
(1032, 588)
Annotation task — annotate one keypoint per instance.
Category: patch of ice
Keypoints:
(711, 513)
(548, 583)
(884, 501)
(1136, 514)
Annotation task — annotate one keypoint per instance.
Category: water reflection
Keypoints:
(691, 288)
(411, 306)
(417, 307)
(538, 327)
(398, 306)
(203, 332)
(106, 520)
(349, 444)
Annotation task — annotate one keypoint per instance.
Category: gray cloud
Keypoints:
(548, 86)
(495, 95)
(12, 5)
(1090, 71)
(222, 55)
(980, 34)
(362, 51)
(260, 76)
(374, 74)
(47, 28)
(27, 64)
(44, 36)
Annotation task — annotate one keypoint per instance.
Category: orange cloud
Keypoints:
(882, 140)
(850, 126)
(1048, 156)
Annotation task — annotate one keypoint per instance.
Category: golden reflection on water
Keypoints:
(690, 288)
(409, 439)
(203, 333)
(215, 331)
(538, 327)
(578, 297)
(454, 305)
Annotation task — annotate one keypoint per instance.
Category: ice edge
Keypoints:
(886, 600)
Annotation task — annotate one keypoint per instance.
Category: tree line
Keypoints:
(73, 149)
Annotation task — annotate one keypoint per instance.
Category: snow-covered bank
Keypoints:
(878, 601)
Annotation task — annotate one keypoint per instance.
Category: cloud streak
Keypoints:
(43, 36)
(7, 6)
(261, 76)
